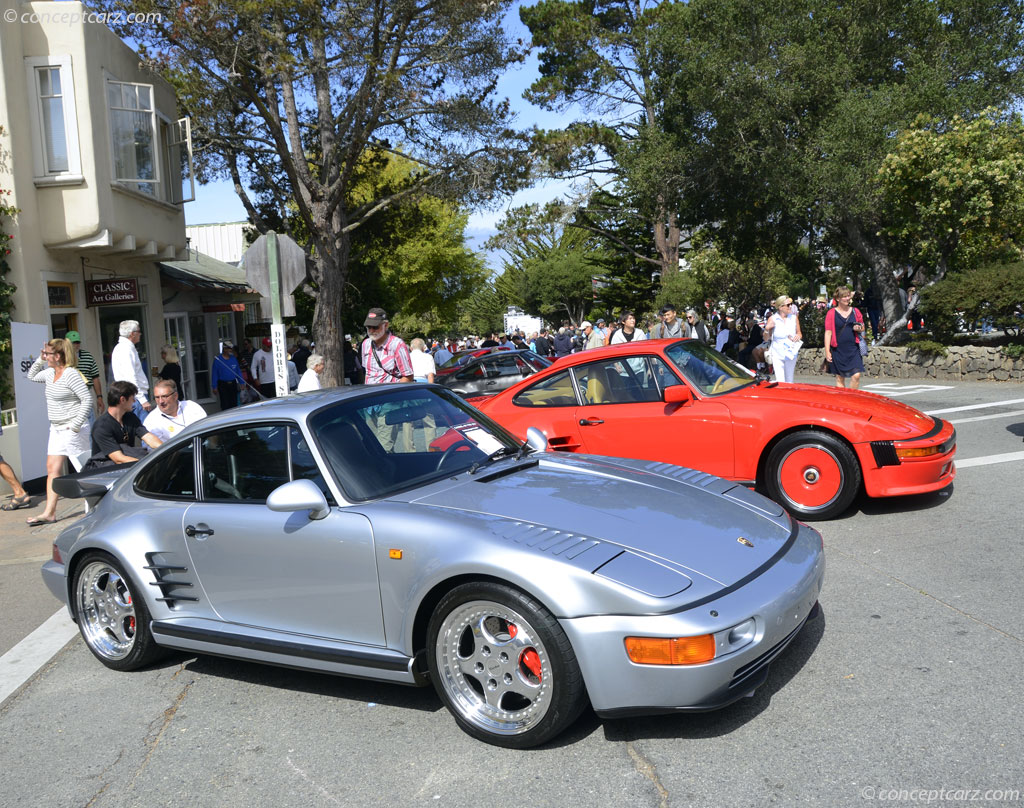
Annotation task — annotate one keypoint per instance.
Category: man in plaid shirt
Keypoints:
(387, 361)
(385, 357)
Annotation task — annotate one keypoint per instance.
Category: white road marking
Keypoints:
(989, 460)
(987, 417)
(977, 406)
(22, 662)
(895, 390)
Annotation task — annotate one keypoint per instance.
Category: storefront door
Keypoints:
(110, 321)
(176, 333)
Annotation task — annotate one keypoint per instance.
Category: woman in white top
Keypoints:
(784, 329)
(311, 378)
(68, 403)
(423, 368)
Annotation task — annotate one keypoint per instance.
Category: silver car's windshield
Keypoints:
(706, 369)
(407, 435)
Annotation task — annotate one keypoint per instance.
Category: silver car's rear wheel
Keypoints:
(503, 666)
(113, 621)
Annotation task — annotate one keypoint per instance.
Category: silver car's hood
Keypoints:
(678, 515)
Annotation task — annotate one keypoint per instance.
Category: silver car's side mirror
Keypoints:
(299, 495)
(536, 440)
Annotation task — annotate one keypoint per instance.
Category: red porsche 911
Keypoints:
(810, 447)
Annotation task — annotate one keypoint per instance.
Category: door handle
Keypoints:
(591, 421)
(202, 530)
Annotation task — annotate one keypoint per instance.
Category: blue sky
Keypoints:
(217, 202)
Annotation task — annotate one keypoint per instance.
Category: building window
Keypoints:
(151, 154)
(54, 119)
(133, 135)
(61, 295)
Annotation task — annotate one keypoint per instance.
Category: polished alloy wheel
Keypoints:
(494, 668)
(106, 614)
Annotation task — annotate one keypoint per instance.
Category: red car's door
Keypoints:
(549, 405)
(623, 415)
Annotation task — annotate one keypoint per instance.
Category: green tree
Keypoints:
(597, 55)
(954, 194)
(552, 264)
(288, 97)
(788, 108)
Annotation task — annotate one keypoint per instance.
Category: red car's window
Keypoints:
(622, 381)
(554, 391)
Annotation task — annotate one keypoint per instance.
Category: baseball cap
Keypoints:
(586, 324)
(226, 343)
(266, 342)
(72, 336)
(375, 317)
(600, 320)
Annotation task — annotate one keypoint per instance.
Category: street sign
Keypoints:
(274, 266)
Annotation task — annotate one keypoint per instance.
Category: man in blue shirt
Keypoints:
(225, 375)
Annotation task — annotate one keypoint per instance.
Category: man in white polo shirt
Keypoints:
(171, 415)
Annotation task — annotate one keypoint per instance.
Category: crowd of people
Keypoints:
(90, 431)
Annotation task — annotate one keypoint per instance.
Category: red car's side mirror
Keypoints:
(676, 394)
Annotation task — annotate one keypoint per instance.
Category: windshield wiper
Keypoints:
(504, 451)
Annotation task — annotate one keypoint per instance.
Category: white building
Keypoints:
(98, 164)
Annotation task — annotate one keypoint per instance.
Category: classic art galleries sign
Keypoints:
(111, 290)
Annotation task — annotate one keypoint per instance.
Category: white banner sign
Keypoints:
(33, 423)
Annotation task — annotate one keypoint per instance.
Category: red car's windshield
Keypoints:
(706, 369)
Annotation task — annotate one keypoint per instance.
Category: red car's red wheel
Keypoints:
(814, 475)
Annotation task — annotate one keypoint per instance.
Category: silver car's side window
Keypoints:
(244, 464)
(172, 476)
(554, 391)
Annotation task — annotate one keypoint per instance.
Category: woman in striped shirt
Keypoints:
(67, 405)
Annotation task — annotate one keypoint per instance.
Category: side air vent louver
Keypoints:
(171, 578)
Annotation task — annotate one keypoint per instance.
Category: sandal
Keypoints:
(36, 521)
(17, 502)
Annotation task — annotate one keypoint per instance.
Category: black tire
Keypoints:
(531, 688)
(813, 475)
(112, 617)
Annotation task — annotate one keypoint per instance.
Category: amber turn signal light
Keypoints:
(927, 451)
(671, 650)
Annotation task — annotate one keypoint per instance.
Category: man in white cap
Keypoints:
(592, 338)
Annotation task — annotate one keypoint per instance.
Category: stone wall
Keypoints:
(960, 364)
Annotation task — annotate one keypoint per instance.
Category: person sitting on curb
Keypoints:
(113, 436)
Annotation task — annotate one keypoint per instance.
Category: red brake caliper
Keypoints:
(529, 659)
(131, 620)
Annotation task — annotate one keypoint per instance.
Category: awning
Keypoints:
(203, 272)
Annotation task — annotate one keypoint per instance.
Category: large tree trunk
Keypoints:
(875, 252)
(328, 330)
(666, 241)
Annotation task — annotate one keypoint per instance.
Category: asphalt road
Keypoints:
(905, 690)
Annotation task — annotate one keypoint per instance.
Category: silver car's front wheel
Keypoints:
(113, 621)
(503, 666)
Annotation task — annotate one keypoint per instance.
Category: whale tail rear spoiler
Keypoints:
(89, 485)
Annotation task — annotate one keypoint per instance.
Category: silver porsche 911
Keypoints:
(396, 533)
